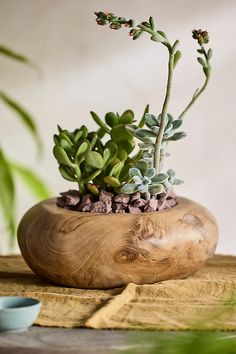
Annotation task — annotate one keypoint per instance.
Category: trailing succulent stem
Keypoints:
(105, 159)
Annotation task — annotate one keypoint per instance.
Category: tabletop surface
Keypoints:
(81, 341)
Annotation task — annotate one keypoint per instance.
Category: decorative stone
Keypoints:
(101, 251)
(140, 203)
(122, 198)
(134, 210)
(86, 203)
(100, 207)
(151, 205)
(119, 207)
(135, 196)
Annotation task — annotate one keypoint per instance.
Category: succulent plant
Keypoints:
(106, 159)
(84, 158)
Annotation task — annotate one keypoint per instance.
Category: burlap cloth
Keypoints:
(206, 300)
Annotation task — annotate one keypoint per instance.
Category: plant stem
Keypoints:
(159, 138)
(195, 96)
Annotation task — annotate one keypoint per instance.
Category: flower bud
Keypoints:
(115, 25)
(101, 21)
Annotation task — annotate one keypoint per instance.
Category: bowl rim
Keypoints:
(34, 303)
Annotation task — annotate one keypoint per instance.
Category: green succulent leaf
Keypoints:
(119, 133)
(127, 117)
(177, 181)
(101, 132)
(127, 145)
(160, 178)
(135, 172)
(117, 169)
(110, 152)
(61, 156)
(122, 154)
(143, 188)
(67, 172)
(94, 160)
(155, 189)
(171, 173)
(144, 133)
(83, 148)
(129, 188)
(150, 120)
(202, 61)
(99, 122)
(150, 172)
(177, 57)
(178, 136)
(93, 189)
(157, 37)
(111, 119)
(142, 121)
(112, 181)
(142, 166)
(177, 123)
(93, 175)
(147, 146)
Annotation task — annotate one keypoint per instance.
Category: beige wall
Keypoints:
(88, 67)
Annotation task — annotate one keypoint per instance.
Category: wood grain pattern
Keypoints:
(109, 250)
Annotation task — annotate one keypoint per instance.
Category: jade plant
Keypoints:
(125, 155)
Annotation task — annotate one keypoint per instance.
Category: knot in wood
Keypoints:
(125, 255)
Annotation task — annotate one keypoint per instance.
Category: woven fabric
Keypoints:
(206, 300)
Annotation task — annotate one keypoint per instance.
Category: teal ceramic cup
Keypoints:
(18, 313)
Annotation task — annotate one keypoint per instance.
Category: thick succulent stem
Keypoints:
(159, 138)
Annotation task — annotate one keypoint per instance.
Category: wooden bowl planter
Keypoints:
(101, 251)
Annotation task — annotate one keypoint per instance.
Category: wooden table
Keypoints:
(83, 341)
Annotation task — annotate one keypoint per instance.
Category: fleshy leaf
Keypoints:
(177, 136)
(127, 117)
(155, 189)
(151, 172)
(67, 173)
(61, 156)
(142, 121)
(112, 181)
(142, 166)
(93, 189)
(159, 178)
(135, 172)
(129, 188)
(94, 160)
(99, 122)
(143, 188)
(144, 133)
(177, 123)
(111, 119)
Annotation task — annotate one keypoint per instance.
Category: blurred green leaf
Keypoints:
(32, 182)
(17, 56)
(25, 117)
(7, 194)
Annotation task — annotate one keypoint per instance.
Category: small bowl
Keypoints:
(18, 313)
